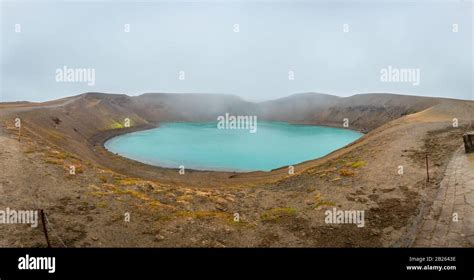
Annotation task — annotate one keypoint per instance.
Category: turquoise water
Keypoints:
(203, 146)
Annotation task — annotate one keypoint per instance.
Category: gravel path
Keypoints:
(450, 221)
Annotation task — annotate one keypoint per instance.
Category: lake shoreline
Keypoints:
(162, 163)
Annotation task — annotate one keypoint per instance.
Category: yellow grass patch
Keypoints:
(157, 204)
(129, 181)
(357, 164)
(116, 125)
(79, 169)
(346, 172)
(276, 214)
(55, 135)
(102, 204)
(316, 171)
(185, 198)
(321, 202)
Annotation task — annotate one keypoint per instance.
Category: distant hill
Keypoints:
(365, 111)
(103, 111)
(157, 107)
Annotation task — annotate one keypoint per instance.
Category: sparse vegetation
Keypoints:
(128, 181)
(276, 214)
(116, 125)
(357, 164)
(57, 154)
(346, 172)
(102, 204)
(321, 202)
(55, 136)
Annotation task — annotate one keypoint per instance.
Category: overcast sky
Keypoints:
(199, 38)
